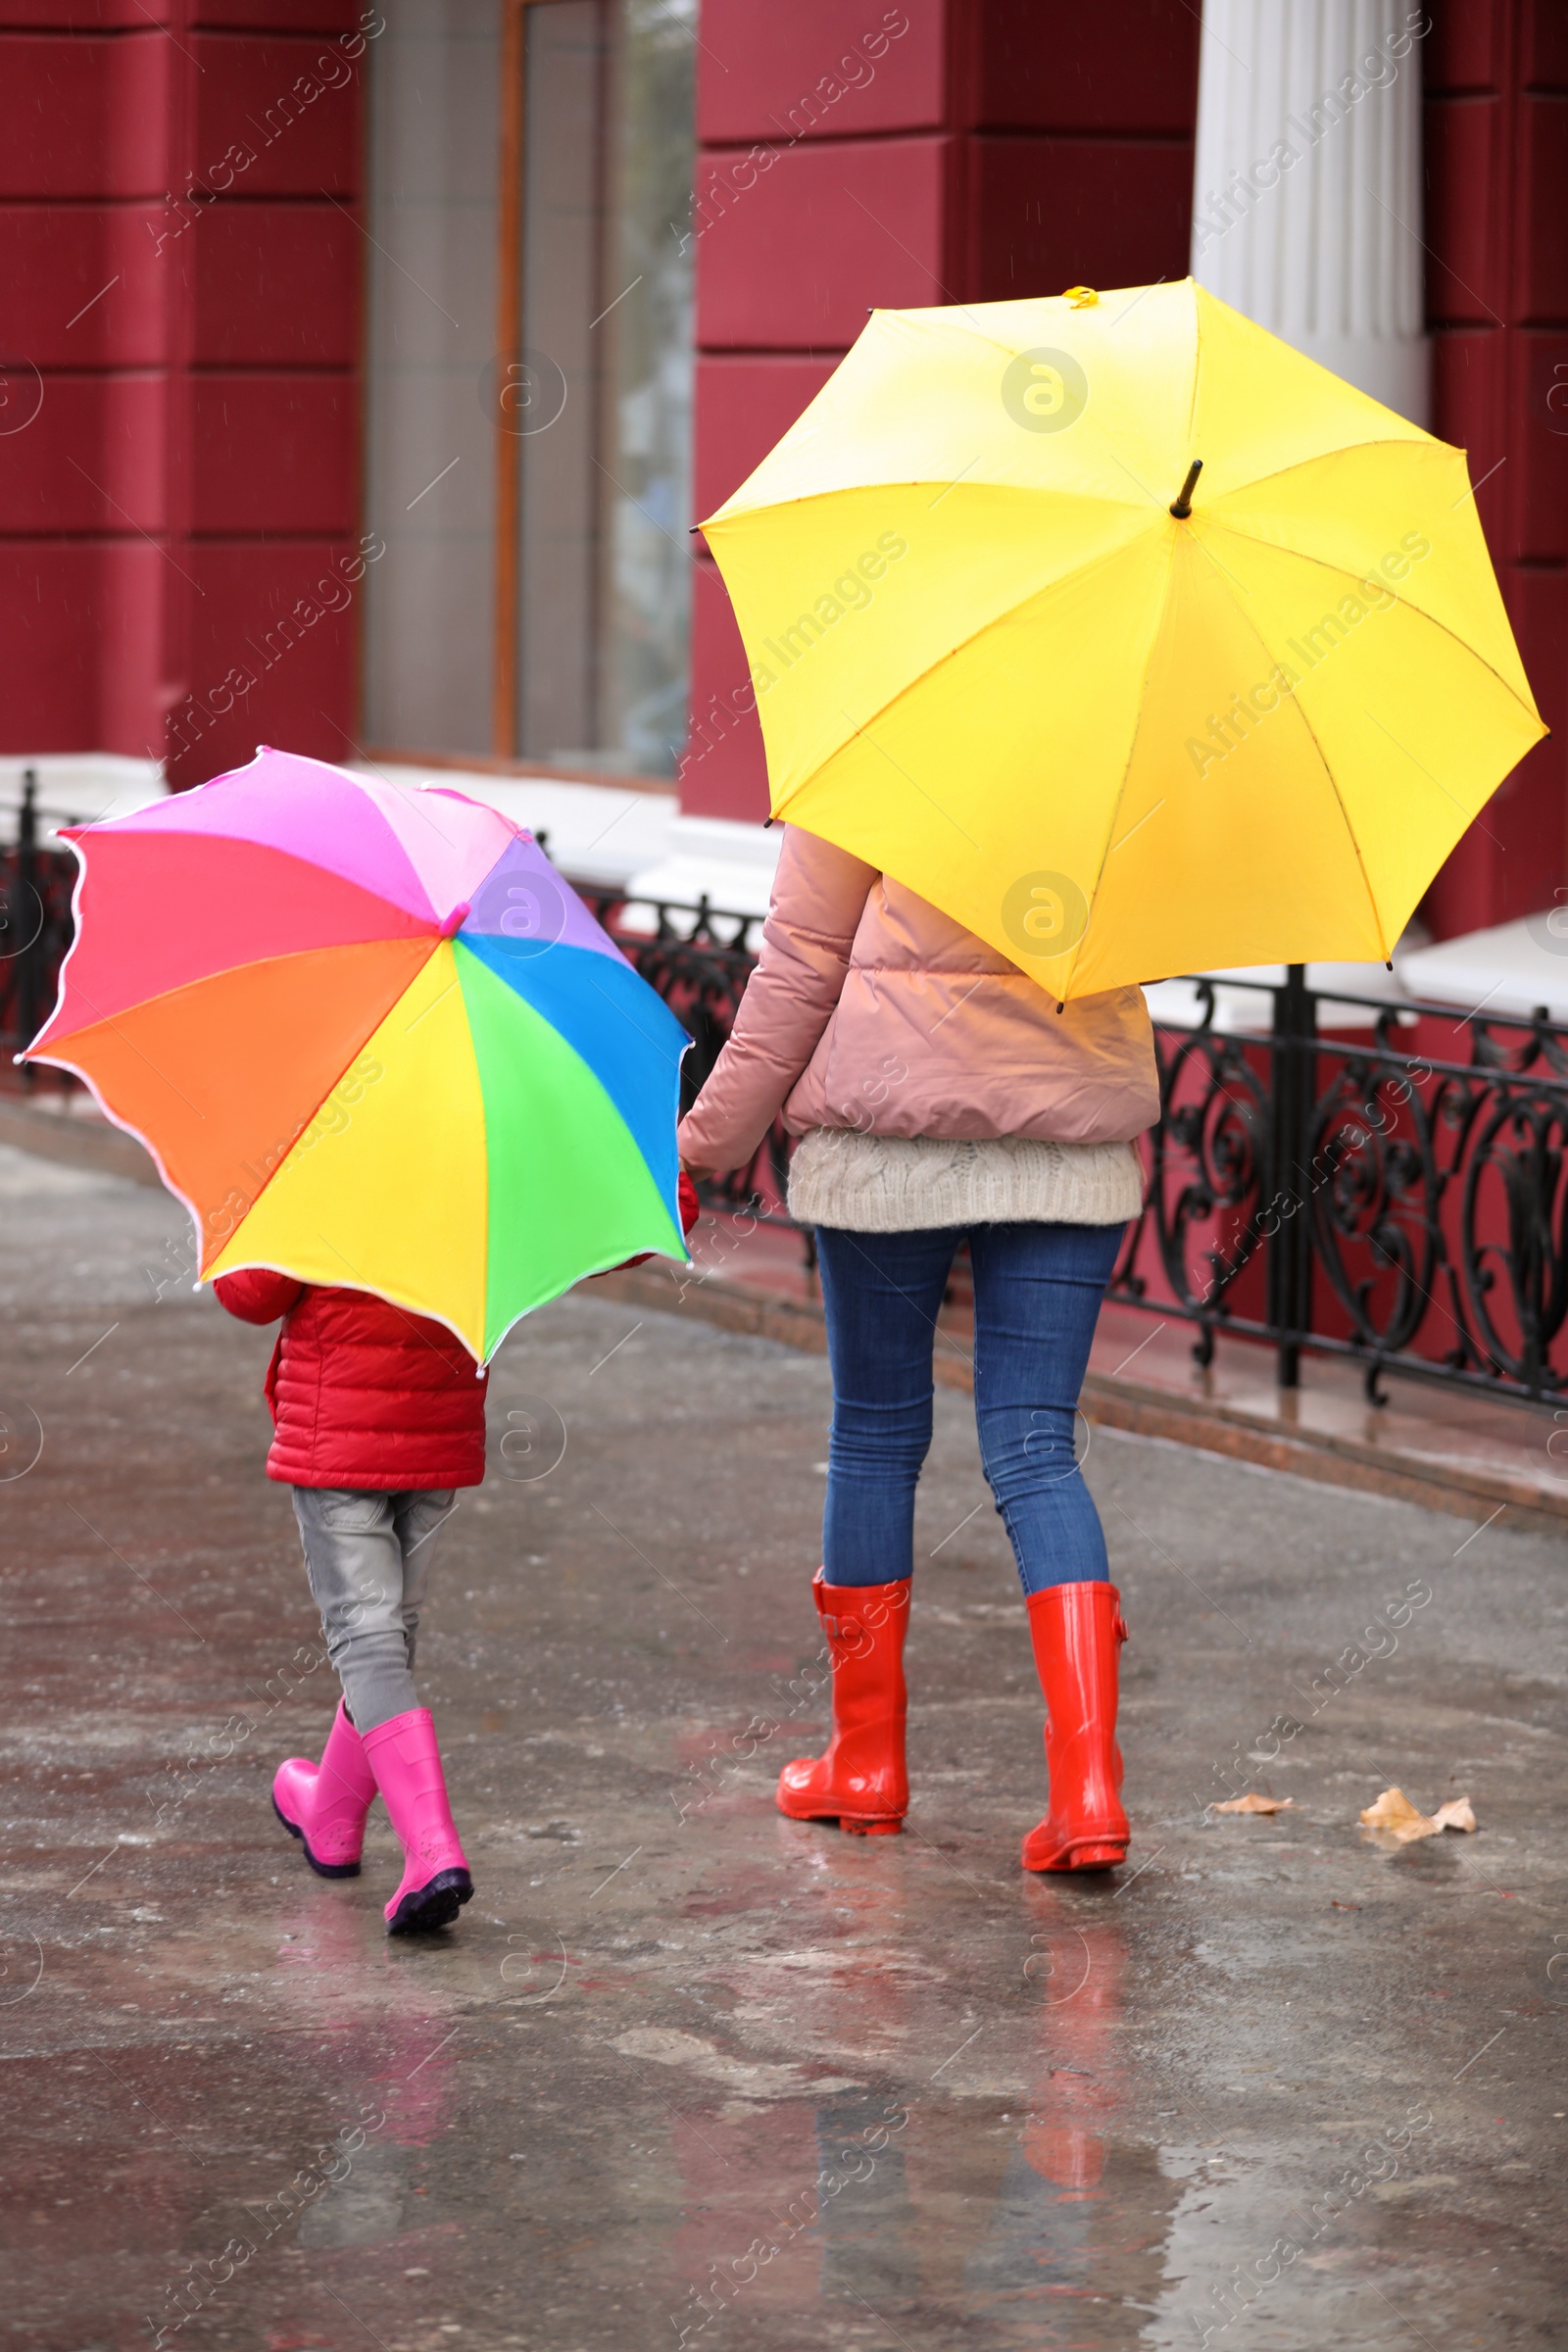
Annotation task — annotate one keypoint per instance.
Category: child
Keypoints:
(379, 1417)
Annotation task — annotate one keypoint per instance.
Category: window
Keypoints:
(529, 366)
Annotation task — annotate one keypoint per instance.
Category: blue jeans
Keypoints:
(1037, 1293)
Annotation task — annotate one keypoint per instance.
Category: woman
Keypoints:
(940, 1096)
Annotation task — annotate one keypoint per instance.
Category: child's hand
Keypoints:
(257, 1295)
(690, 1209)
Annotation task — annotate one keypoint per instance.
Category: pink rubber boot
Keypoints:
(324, 1805)
(406, 1760)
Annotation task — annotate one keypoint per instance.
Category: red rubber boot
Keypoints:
(862, 1783)
(407, 1763)
(1077, 1630)
(324, 1805)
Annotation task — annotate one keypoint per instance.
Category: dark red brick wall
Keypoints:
(1496, 154)
(179, 408)
(181, 344)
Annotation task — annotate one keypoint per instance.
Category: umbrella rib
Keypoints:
(304, 1128)
(772, 506)
(1079, 572)
(1197, 369)
(1267, 652)
(1328, 771)
(106, 1020)
(1366, 879)
(1429, 777)
(1341, 450)
(1127, 769)
(408, 1314)
(1338, 571)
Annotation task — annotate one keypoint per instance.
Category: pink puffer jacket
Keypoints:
(871, 1009)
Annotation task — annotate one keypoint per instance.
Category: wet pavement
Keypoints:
(688, 2074)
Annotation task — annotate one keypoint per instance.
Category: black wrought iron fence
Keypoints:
(35, 924)
(700, 960)
(1386, 1182)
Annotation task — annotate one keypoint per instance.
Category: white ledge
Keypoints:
(594, 833)
(1513, 968)
(79, 788)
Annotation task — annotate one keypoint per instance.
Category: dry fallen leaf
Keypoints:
(1252, 1802)
(1394, 1813)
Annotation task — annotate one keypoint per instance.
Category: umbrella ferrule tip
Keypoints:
(1182, 502)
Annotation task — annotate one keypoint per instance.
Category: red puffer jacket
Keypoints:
(363, 1394)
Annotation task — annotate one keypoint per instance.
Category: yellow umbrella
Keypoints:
(1121, 717)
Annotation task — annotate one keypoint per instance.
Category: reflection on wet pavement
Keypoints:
(688, 2074)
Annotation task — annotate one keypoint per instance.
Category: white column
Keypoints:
(1306, 207)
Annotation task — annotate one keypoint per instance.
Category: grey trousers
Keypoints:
(368, 1557)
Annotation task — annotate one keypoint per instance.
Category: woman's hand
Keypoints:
(698, 1175)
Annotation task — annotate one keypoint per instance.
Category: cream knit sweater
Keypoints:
(864, 1183)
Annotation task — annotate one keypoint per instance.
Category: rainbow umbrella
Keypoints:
(373, 1039)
